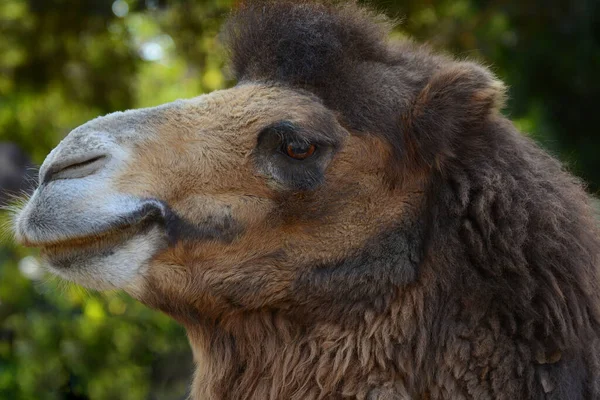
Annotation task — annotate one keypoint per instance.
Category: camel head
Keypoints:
(354, 217)
(225, 201)
(276, 193)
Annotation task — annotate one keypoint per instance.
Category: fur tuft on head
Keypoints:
(419, 102)
(303, 43)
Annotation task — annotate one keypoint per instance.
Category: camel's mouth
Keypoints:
(62, 254)
(148, 213)
(102, 245)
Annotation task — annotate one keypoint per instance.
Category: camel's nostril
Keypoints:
(75, 168)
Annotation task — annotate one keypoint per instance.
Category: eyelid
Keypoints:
(285, 144)
(293, 137)
(296, 142)
(289, 131)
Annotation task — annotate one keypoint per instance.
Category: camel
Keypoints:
(355, 218)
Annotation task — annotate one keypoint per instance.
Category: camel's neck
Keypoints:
(265, 356)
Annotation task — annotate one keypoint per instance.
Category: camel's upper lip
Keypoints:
(33, 232)
(149, 213)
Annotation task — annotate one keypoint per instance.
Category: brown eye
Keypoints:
(300, 151)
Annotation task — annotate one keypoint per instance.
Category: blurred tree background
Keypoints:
(63, 62)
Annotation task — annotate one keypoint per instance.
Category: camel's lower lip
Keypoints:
(94, 243)
(63, 253)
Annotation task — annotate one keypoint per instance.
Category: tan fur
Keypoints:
(425, 249)
(201, 165)
(329, 361)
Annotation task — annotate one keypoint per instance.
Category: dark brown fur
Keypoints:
(491, 292)
(425, 249)
(440, 255)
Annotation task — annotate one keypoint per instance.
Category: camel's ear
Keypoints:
(456, 102)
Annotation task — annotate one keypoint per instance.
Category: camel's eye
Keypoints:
(294, 156)
(300, 151)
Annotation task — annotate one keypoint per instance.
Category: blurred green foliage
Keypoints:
(63, 62)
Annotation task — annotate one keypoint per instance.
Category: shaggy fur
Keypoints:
(503, 299)
(425, 250)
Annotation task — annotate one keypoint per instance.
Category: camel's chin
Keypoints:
(115, 260)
